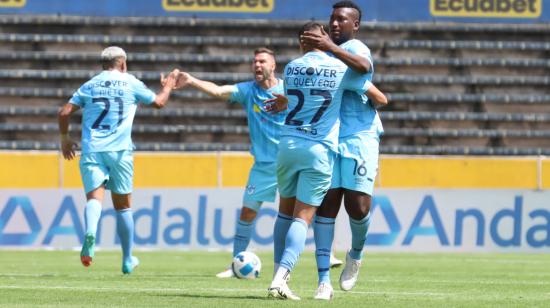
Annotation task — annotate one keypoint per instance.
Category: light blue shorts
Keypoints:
(356, 166)
(115, 170)
(261, 185)
(304, 169)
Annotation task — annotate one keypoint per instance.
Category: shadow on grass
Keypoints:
(191, 295)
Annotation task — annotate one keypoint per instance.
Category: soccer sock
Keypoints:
(359, 230)
(295, 242)
(282, 223)
(324, 235)
(125, 230)
(92, 212)
(242, 236)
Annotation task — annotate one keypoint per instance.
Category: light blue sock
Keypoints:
(125, 230)
(324, 235)
(282, 223)
(242, 236)
(92, 213)
(359, 230)
(295, 242)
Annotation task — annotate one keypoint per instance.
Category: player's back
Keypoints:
(314, 85)
(109, 102)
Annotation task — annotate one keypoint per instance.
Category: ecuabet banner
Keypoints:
(505, 11)
(415, 220)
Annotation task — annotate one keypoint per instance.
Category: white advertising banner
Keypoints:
(418, 220)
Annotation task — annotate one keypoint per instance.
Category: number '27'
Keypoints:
(300, 95)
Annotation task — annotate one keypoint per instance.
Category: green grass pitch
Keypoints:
(186, 279)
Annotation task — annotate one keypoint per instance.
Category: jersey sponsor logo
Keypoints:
(13, 3)
(486, 8)
(241, 6)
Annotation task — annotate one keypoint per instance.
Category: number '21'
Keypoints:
(97, 124)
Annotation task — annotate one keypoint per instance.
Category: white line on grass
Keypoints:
(231, 290)
(432, 281)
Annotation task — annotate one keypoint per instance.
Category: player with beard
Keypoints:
(264, 130)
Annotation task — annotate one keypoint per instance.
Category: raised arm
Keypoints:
(67, 145)
(168, 84)
(323, 42)
(210, 88)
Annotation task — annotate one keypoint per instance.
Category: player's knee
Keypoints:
(357, 204)
(331, 203)
(249, 211)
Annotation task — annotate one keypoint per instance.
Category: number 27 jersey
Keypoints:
(314, 85)
(109, 102)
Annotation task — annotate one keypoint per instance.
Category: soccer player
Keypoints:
(264, 130)
(356, 166)
(109, 102)
(314, 85)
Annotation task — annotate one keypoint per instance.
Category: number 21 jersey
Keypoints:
(109, 102)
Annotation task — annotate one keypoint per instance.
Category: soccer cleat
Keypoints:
(227, 273)
(87, 252)
(349, 275)
(335, 262)
(281, 292)
(128, 268)
(324, 292)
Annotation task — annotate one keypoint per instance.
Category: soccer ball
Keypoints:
(246, 265)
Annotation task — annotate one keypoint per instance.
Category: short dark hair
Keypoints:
(264, 50)
(348, 4)
(309, 26)
(108, 64)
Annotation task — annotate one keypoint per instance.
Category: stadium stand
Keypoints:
(453, 88)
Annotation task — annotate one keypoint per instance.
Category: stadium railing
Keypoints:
(156, 57)
(430, 98)
(261, 23)
(209, 147)
(238, 77)
(241, 114)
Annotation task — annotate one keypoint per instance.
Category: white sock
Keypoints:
(280, 276)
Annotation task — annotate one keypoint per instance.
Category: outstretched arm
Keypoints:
(210, 88)
(323, 42)
(67, 145)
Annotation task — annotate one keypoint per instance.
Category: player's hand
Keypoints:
(68, 147)
(171, 80)
(277, 104)
(184, 79)
(315, 40)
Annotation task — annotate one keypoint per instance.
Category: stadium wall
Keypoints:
(191, 201)
(493, 11)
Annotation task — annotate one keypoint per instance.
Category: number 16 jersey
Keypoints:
(109, 102)
(314, 85)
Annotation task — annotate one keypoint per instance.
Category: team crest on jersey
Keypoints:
(250, 189)
(257, 108)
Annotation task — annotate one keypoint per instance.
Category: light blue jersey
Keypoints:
(109, 102)
(314, 85)
(264, 127)
(357, 113)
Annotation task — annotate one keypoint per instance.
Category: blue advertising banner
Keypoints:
(494, 11)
